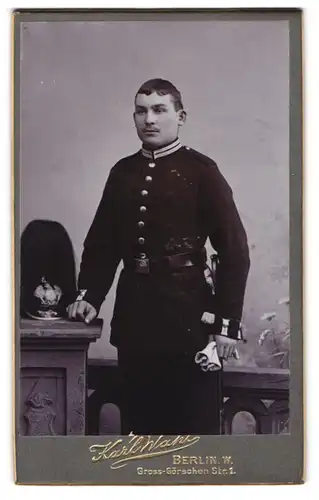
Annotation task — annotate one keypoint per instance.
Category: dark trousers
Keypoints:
(168, 394)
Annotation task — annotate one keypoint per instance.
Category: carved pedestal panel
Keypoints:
(53, 376)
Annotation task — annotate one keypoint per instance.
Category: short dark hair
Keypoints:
(162, 87)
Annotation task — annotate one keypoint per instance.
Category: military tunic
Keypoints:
(157, 205)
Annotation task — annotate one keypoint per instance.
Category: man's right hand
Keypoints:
(81, 309)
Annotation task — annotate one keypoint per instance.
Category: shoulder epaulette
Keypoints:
(122, 162)
(200, 156)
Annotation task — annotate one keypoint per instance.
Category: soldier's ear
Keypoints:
(134, 118)
(182, 115)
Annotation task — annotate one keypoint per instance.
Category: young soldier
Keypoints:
(158, 208)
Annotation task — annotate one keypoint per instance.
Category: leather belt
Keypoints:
(167, 262)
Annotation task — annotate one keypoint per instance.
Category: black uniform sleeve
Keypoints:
(227, 235)
(101, 255)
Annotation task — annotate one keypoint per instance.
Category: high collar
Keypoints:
(164, 151)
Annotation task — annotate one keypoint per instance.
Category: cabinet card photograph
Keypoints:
(157, 218)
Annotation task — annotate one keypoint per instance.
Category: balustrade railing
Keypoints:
(262, 392)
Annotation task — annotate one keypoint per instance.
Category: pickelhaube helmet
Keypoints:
(48, 280)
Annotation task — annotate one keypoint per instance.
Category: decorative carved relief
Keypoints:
(40, 415)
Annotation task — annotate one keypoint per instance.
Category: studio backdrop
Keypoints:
(78, 82)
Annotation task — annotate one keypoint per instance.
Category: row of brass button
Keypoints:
(143, 209)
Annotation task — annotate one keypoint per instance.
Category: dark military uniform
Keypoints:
(156, 212)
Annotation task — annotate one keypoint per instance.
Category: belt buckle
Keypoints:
(142, 266)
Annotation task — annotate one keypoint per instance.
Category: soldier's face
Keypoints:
(156, 119)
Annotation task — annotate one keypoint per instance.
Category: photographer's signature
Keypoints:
(121, 451)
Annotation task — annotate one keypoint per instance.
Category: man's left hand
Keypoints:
(225, 346)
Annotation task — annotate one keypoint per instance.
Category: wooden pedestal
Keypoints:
(53, 377)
